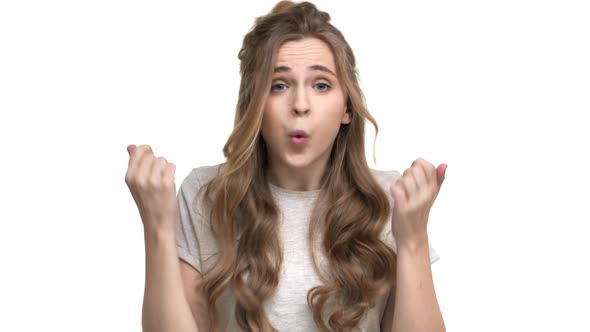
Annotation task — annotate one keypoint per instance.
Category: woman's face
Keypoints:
(305, 95)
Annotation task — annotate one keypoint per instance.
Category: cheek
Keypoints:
(268, 122)
(333, 115)
(331, 126)
(333, 107)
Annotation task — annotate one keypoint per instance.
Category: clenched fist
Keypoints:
(151, 182)
(413, 196)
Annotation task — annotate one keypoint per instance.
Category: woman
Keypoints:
(293, 232)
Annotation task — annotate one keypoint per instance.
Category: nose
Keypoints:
(300, 101)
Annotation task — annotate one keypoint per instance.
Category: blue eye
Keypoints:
(273, 88)
(323, 86)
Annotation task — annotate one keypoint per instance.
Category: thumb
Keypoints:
(440, 174)
(131, 148)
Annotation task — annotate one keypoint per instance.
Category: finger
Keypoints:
(145, 161)
(409, 184)
(136, 154)
(136, 150)
(398, 192)
(131, 148)
(428, 170)
(441, 171)
(169, 171)
(158, 169)
(419, 175)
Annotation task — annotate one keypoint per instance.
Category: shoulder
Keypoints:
(203, 174)
(385, 177)
(191, 189)
(198, 177)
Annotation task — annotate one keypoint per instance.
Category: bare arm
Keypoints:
(413, 306)
(165, 306)
(197, 300)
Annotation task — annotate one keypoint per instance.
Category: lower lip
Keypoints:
(298, 140)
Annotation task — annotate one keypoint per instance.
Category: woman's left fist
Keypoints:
(413, 196)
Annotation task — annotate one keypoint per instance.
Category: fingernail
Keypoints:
(441, 169)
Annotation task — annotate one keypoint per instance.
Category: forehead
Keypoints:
(305, 52)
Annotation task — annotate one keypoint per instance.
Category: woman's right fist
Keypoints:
(151, 182)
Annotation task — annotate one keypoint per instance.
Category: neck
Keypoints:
(306, 178)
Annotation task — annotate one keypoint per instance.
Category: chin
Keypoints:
(298, 161)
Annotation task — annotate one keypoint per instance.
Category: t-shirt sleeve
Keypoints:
(387, 179)
(192, 237)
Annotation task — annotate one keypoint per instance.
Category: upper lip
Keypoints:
(298, 133)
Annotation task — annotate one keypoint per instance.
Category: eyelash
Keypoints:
(328, 87)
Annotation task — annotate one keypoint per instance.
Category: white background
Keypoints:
(499, 90)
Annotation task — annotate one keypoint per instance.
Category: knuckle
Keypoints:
(407, 180)
(397, 188)
(171, 168)
(146, 149)
(130, 177)
(141, 184)
(154, 181)
(417, 163)
(168, 184)
(421, 163)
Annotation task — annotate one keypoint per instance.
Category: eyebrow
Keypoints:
(283, 69)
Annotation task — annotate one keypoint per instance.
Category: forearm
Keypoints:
(165, 307)
(416, 306)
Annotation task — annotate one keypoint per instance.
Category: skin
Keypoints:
(302, 98)
(413, 306)
(314, 101)
(311, 100)
(168, 303)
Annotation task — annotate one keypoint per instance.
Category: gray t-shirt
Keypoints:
(287, 309)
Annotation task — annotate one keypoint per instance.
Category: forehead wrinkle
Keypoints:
(309, 51)
(314, 67)
(303, 50)
(301, 53)
(304, 44)
(286, 60)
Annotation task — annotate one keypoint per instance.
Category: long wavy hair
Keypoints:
(349, 214)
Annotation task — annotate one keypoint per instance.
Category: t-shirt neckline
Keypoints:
(293, 193)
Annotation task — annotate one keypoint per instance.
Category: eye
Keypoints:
(323, 86)
(278, 87)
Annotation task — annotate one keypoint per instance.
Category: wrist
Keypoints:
(159, 234)
(414, 245)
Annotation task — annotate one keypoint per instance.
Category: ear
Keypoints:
(347, 116)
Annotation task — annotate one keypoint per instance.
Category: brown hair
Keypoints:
(350, 212)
